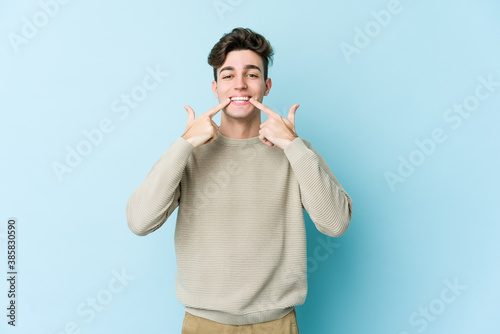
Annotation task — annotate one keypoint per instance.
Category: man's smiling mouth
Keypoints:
(240, 98)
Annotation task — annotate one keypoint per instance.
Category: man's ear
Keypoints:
(269, 84)
(214, 88)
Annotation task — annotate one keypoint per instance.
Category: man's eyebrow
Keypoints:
(255, 67)
(247, 67)
(227, 68)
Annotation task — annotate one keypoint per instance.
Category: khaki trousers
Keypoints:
(196, 325)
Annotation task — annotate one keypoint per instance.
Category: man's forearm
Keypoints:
(157, 197)
(324, 199)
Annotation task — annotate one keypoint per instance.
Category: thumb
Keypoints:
(190, 112)
(291, 113)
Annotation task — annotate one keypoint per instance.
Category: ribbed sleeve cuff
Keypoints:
(182, 147)
(295, 150)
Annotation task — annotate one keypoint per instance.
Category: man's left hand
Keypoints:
(276, 130)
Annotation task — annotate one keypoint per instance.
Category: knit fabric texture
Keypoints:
(240, 238)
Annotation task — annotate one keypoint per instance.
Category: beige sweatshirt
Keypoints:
(240, 237)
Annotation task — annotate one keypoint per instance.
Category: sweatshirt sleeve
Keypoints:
(157, 197)
(324, 199)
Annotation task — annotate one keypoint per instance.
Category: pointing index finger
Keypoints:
(212, 112)
(268, 111)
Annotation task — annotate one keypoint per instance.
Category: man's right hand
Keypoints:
(203, 129)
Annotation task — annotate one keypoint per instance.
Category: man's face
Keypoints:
(241, 77)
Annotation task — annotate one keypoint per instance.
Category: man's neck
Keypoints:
(240, 128)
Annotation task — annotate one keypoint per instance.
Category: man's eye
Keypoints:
(226, 76)
(254, 75)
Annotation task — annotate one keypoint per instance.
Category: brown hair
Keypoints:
(240, 39)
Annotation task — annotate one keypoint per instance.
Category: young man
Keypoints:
(240, 188)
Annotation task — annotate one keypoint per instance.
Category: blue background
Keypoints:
(362, 111)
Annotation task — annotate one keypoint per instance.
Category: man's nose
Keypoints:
(240, 83)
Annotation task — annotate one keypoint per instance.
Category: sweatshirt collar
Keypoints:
(221, 139)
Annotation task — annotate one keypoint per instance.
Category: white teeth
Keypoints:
(240, 98)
